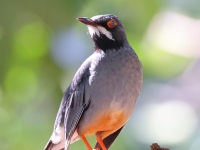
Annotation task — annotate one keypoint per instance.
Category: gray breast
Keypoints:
(115, 83)
(116, 76)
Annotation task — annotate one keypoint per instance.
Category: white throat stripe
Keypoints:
(96, 30)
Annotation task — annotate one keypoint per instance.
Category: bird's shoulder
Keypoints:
(84, 71)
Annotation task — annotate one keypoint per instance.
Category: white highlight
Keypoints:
(181, 31)
(96, 30)
(93, 30)
(170, 122)
(66, 145)
(58, 135)
(105, 32)
(58, 138)
(96, 58)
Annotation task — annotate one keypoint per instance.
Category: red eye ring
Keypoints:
(112, 23)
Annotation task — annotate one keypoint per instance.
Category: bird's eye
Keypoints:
(112, 23)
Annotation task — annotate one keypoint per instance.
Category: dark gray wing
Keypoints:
(74, 102)
(61, 112)
(79, 100)
(109, 140)
(60, 115)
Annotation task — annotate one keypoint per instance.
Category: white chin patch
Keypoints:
(93, 30)
(96, 30)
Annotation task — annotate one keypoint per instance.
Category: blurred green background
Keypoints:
(42, 45)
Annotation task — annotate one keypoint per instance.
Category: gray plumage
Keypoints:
(100, 98)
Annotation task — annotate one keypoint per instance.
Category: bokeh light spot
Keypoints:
(1, 94)
(3, 115)
(31, 41)
(21, 83)
(170, 123)
(195, 144)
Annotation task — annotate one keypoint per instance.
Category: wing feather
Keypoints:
(78, 103)
(73, 104)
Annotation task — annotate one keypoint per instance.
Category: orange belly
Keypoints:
(105, 124)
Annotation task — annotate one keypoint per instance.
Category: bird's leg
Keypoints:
(101, 144)
(86, 143)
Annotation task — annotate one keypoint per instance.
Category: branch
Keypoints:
(155, 146)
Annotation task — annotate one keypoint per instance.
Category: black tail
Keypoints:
(109, 140)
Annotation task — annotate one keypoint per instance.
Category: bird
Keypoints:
(103, 93)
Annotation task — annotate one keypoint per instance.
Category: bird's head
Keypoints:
(107, 31)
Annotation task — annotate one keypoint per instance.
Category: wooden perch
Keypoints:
(155, 146)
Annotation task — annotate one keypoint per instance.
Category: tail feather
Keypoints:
(109, 140)
(51, 146)
(58, 141)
